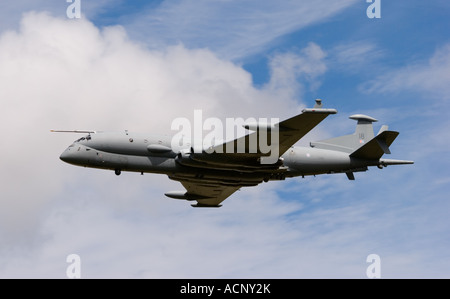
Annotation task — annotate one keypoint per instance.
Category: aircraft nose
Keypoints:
(67, 156)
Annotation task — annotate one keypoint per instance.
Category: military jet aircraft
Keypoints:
(209, 177)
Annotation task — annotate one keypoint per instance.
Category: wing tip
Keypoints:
(320, 110)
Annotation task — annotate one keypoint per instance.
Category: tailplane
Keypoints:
(376, 147)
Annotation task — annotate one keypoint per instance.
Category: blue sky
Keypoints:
(138, 64)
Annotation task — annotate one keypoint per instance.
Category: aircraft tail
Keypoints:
(362, 144)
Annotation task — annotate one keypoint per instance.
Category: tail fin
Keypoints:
(349, 143)
(364, 128)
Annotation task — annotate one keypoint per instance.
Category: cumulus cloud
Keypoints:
(232, 29)
(68, 74)
(287, 69)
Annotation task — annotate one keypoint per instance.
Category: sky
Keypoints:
(137, 65)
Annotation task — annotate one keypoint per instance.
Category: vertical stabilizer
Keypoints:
(364, 128)
(349, 143)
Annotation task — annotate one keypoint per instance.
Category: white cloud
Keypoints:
(67, 74)
(289, 68)
(430, 77)
(355, 57)
(12, 12)
(60, 73)
(233, 29)
(251, 237)
(422, 86)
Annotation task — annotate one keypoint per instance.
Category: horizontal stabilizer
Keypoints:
(376, 147)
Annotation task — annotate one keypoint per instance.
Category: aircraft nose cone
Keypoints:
(64, 156)
(67, 156)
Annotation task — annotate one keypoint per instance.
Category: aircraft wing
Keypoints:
(207, 194)
(294, 128)
(289, 132)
